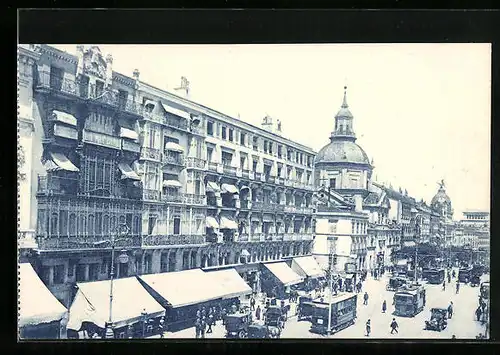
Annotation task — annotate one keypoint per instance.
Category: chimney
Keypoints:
(183, 89)
(271, 125)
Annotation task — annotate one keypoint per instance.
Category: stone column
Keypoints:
(87, 266)
(178, 259)
(198, 258)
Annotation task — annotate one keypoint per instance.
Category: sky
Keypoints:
(421, 111)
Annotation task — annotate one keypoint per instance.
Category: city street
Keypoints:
(462, 324)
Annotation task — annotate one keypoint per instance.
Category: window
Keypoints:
(280, 151)
(71, 267)
(210, 128)
(177, 225)
(254, 165)
(122, 98)
(270, 148)
(242, 163)
(265, 146)
(242, 138)
(224, 133)
(56, 78)
(99, 88)
(231, 134)
(93, 272)
(59, 274)
(197, 187)
(289, 172)
(152, 224)
(267, 170)
(255, 143)
(289, 154)
(98, 223)
(80, 272)
(104, 265)
(209, 154)
(226, 158)
(279, 171)
(63, 223)
(333, 183)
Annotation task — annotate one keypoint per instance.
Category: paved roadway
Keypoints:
(463, 324)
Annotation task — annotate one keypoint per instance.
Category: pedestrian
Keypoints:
(453, 274)
(203, 326)
(203, 312)
(365, 299)
(197, 327)
(458, 287)
(368, 328)
(252, 304)
(394, 326)
(444, 285)
(478, 313)
(340, 284)
(198, 313)
(161, 327)
(257, 312)
(453, 336)
(450, 310)
(209, 321)
(449, 278)
(223, 316)
(384, 306)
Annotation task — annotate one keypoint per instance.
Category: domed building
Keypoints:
(342, 164)
(441, 202)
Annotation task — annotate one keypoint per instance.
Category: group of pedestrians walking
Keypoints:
(394, 327)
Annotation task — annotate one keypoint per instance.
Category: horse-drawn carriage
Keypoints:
(439, 319)
(237, 325)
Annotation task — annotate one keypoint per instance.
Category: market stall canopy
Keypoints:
(64, 117)
(284, 273)
(228, 188)
(127, 172)
(36, 303)
(307, 266)
(128, 133)
(176, 111)
(172, 183)
(174, 147)
(130, 298)
(63, 162)
(231, 282)
(228, 223)
(183, 288)
(212, 222)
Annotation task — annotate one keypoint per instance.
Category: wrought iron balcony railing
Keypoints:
(87, 242)
(185, 198)
(50, 184)
(245, 173)
(243, 237)
(256, 237)
(228, 169)
(195, 163)
(213, 166)
(173, 159)
(184, 239)
(150, 153)
(151, 195)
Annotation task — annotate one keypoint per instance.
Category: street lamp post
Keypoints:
(122, 230)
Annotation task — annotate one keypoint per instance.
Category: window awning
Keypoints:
(128, 133)
(228, 223)
(284, 273)
(212, 222)
(307, 267)
(228, 188)
(63, 162)
(130, 299)
(172, 183)
(245, 253)
(212, 187)
(176, 111)
(149, 103)
(244, 188)
(231, 282)
(127, 172)
(64, 117)
(50, 166)
(183, 288)
(174, 147)
(37, 304)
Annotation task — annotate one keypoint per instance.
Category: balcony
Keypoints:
(195, 163)
(258, 206)
(188, 199)
(258, 176)
(178, 124)
(56, 185)
(279, 236)
(244, 204)
(257, 237)
(86, 242)
(101, 139)
(245, 173)
(153, 118)
(307, 236)
(131, 146)
(150, 153)
(290, 209)
(168, 240)
(172, 159)
(270, 179)
(243, 238)
(288, 182)
(288, 236)
(69, 86)
(280, 181)
(151, 195)
(114, 99)
(213, 166)
(229, 170)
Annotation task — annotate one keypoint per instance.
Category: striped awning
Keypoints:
(128, 133)
(211, 222)
(127, 172)
(64, 117)
(228, 223)
(63, 162)
(176, 111)
(171, 183)
(212, 187)
(228, 188)
(174, 147)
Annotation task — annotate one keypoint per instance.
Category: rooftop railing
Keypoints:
(86, 242)
(164, 240)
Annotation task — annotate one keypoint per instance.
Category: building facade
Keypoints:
(169, 183)
(473, 230)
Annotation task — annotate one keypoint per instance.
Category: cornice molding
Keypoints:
(58, 54)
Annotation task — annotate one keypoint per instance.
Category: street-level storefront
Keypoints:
(41, 315)
(277, 278)
(182, 293)
(135, 312)
(309, 269)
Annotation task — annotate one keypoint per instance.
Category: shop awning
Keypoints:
(174, 147)
(130, 299)
(63, 162)
(212, 222)
(231, 282)
(176, 111)
(37, 304)
(284, 273)
(307, 266)
(64, 117)
(128, 133)
(212, 187)
(228, 223)
(183, 288)
(228, 188)
(172, 183)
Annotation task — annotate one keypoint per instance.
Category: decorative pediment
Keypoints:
(94, 62)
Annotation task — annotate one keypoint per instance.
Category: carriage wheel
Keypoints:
(242, 334)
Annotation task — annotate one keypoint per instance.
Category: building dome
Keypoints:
(440, 198)
(342, 151)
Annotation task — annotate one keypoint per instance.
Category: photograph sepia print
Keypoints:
(270, 191)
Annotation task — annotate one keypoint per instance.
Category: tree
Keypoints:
(20, 163)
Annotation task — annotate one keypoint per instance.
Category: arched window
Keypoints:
(72, 224)
(91, 229)
(53, 224)
(137, 225)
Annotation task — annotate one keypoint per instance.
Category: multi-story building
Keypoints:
(473, 230)
(169, 183)
(441, 204)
